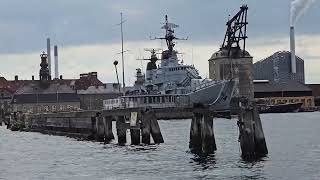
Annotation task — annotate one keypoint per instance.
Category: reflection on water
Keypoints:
(203, 162)
(292, 139)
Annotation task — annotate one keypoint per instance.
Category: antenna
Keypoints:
(122, 58)
(169, 37)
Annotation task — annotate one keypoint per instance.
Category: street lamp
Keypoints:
(115, 63)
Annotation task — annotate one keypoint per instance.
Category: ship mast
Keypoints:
(169, 37)
(122, 58)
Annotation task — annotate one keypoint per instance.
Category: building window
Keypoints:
(46, 108)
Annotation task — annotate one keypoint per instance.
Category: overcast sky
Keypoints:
(88, 37)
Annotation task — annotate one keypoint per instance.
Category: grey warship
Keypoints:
(168, 82)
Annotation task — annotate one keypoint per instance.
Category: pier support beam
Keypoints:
(121, 130)
(108, 134)
(145, 128)
(100, 128)
(135, 136)
(134, 128)
(201, 134)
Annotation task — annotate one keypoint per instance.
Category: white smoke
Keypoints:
(298, 7)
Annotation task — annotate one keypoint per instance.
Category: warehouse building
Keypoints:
(283, 92)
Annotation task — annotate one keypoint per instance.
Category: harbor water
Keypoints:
(293, 141)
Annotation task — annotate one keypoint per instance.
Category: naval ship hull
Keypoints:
(217, 96)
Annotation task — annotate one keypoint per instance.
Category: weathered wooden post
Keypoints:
(154, 127)
(195, 143)
(145, 127)
(108, 134)
(208, 140)
(93, 128)
(201, 133)
(134, 128)
(121, 130)
(100, 128)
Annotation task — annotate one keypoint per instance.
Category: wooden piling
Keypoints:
(145, 128)
(252, 140)
(155, 128)
(246, 138)
(100, 128)
(108, 134)
(135, 136)
(207, 135)
(121, 130)
(134, 128)
(201, 134)
(195, 143)
(259, 139)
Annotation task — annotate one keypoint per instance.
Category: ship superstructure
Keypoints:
(168, 82)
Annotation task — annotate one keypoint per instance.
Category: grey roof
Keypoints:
(280, 86)
(45, 98)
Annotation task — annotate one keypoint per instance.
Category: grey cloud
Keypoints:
(25, 24)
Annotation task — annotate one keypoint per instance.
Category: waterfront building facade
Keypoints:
(277, 67)
(292, 91)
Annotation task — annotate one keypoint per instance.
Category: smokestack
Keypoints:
(293, 51)
(49, 55)
(56, 63)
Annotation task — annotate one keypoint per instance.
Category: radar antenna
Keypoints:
(169, 37)
(153, 56)
(236, 31)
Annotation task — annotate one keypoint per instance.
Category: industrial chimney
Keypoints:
(293, 49)
(49, 55)
(56, 63)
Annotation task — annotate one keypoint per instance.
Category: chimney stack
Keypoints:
(49, 55)
(293, 51)
(56, 63)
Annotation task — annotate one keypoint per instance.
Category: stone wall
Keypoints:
(72, 122)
